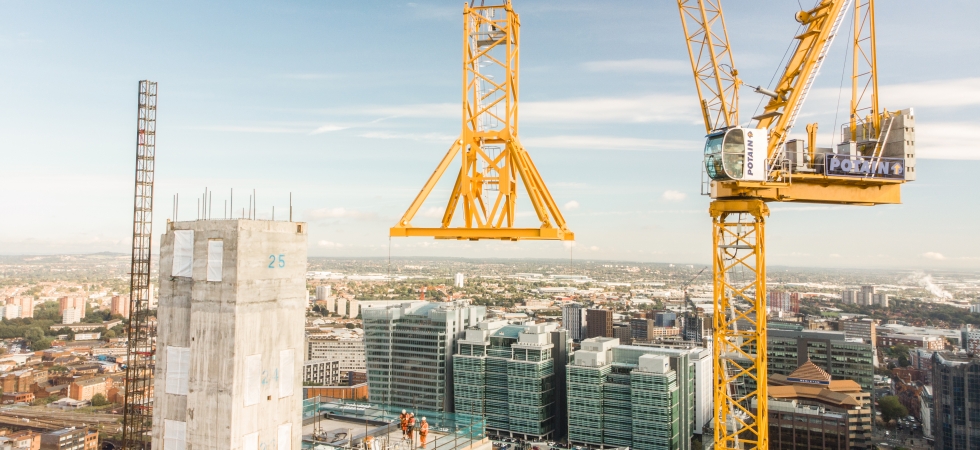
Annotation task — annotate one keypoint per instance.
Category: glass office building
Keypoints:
(508, 374)
(409, 349)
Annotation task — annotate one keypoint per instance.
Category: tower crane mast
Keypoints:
(138, 403)
(747, 167)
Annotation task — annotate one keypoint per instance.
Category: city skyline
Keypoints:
(350, 107)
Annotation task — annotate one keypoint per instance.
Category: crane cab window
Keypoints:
(724, 155)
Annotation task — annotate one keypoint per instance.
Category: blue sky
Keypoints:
(350, 106)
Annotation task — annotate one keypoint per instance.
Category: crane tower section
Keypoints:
(494, 164)
(137, 410)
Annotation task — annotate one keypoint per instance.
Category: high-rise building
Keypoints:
(120, 305)
(642, 329)
(599, 323)
(636, 396)
(623, 332)
(783, 301)
(71, 302)
(507, 374)
(458, 281)
(573, 320)
(866, 296)
(863, 329)
(229, 361)
(323, 292)
(970, 339)
(844, 359)
(956, 401)
(10, 311)
(698, 329)
(71, 315)
(25, 303)
(665, 319)
(409, 349)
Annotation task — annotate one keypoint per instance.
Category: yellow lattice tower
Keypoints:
(493, 160)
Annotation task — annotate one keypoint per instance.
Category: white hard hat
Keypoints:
(403, 411)
(423, 418)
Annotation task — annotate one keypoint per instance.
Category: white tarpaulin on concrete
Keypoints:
(178, 369)
(183, 253)
(253, 379)
(215, 252)
(284, 439)
(174, 435)
(251, 441)
(286, 373)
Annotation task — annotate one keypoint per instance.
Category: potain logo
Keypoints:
(749, 154)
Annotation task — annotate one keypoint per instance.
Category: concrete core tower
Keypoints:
(230, 339)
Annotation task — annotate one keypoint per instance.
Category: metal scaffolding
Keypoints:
(138, 408)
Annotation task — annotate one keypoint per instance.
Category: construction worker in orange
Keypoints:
(411, 427)
(403, 421)
(423, 431)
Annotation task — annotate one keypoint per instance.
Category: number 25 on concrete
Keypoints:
(277, 263)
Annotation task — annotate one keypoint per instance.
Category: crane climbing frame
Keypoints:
(493, 159)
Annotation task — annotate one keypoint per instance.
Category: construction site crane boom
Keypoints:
(687, 298)
(494, 163)
(138, 403)
(749, 166)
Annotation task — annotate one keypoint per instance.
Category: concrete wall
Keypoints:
(256, 310)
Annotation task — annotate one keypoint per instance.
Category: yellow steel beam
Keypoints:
(485, 192)
(506, 234)
(711, 61)
(819, 30)
(740, 416)
(814, 189)
(864, 74)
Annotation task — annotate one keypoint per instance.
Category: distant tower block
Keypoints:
(459, 280)
(230, 343)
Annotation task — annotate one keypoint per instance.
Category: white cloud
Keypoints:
(247, 129)
(933, 255)
(585, 142)
(338, 213)
(422, 137)
(661, 107)
(328, 244)
(433, 211)
(674, 196)
(571, 205)
(947, 140)
(940, 93)
(643, 109)
(672, 66)
(328, 128)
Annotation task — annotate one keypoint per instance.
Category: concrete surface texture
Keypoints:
(230, 337)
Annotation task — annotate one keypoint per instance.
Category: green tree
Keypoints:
(99, 400)
(891, 409)
(42, 344)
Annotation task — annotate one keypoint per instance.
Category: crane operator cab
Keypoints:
(737, 154)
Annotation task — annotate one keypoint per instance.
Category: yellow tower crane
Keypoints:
(746, 167)
(493, 159)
